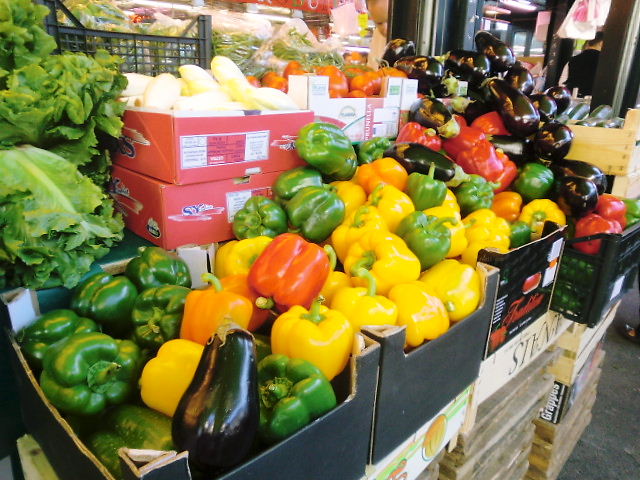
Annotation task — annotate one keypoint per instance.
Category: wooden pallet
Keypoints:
(626, 186)
(498, 445)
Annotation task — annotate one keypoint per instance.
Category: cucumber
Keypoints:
(105, 445)
(602, 112)
(589, 122)
(578, 112)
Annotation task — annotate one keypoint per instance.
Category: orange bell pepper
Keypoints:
(507, 205)
(206, 310)
(384, 170)
(239, 284)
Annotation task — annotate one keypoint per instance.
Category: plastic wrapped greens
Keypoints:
(97, 15)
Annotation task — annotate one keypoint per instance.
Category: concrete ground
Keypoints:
(610, 446)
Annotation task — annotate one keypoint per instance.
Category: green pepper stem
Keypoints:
(100, 375)
(314, 312)
(358, 222)
(332, 257)
(442, 221)
(372, 285)
(264, 303)
(212, 280)
(449, 306)
(376, 196)
(366, 262)
(432, 170)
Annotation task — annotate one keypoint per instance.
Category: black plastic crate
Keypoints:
(588, 285)
(147, 54)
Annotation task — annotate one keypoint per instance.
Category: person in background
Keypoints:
(580, 71)
(379, 13)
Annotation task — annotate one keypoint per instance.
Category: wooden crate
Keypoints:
(497, 447)
(614, 150)
(554, 443)
(626, 186)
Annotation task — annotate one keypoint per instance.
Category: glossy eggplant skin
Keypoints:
(469, 66)
(546, 106)
(500, 55)
(576, 168)
(432, 113)
(518, 77)
(575, 196)
(427, 70)
(476, 109)
(518, 113)
(218, 416)
(562, 97)
(553, 141)
(519, 150)
(415, 157)
(398, 48)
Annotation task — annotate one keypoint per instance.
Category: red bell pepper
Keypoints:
(508, 174)
(416, 133)
(491, 124)
(466, 139)
(593, 224)
(290, 271)
(612, 208)
(481, 159)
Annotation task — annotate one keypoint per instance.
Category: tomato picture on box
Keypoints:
(527, 278)
(192, 147)
(174, 215)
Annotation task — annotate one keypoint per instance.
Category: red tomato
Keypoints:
(356, 94)
(273, 80)
(392, 72)
(338, 83)
(368, 82)
(293, 68)
(253, 81)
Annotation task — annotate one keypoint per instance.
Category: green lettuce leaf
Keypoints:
(54, 221)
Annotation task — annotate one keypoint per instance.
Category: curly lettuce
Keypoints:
(54, 221)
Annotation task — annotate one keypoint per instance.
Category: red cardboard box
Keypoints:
(193, 147)
(174, 215)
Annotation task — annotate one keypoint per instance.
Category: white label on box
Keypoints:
(556, 249)
(257, 146)
(390, 115)
(194, 151)
(235, 202)
(617, 288)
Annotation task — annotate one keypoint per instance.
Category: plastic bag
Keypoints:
(294, 41)
(170, 27)
(97, 15)
(584, 18)
(238, 35)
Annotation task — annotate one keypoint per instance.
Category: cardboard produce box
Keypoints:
(335, 445)
(413, 387)
(527, 278)
(194, 147)
(174, 215)
(360, 118)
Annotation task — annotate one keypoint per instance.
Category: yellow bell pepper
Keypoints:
(166, 377)
(236, 257)
(392, 204)
(456, 284)
(386, 256)
(450, 200)
(424, 315)
(321, 336)
(352, 194)
(536, 212)
(364, 219)
(485, 230)
(335, 280)
(362, 306)
(458, 237)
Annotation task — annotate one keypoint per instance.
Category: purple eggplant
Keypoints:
(553, 141)
(518, 113)
(397, 49)
(575, 196)
(518, 76)
(469, 66)
(432, 113)
(427, 70)
(519, 150)
(562, 97)
(476, 109)
(500, 55)
(576, 168)
(546, 106)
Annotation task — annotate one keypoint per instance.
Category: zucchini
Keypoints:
(105, 445)
(602, 112)
(578, 112)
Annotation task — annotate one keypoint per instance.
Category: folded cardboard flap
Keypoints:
(153, 464)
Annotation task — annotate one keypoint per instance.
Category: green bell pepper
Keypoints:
(315, 212)
(474, 194)
(85, 372)
(633, 210)
(157, 314)
(48, 329)
(373, 149)
(107, 300)
(326, 147)
(259, 216)
(292, 181)
(520, 234)
(534, 181)
(425, 191)
(426, 236)
(293, 392)
(155, 267)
